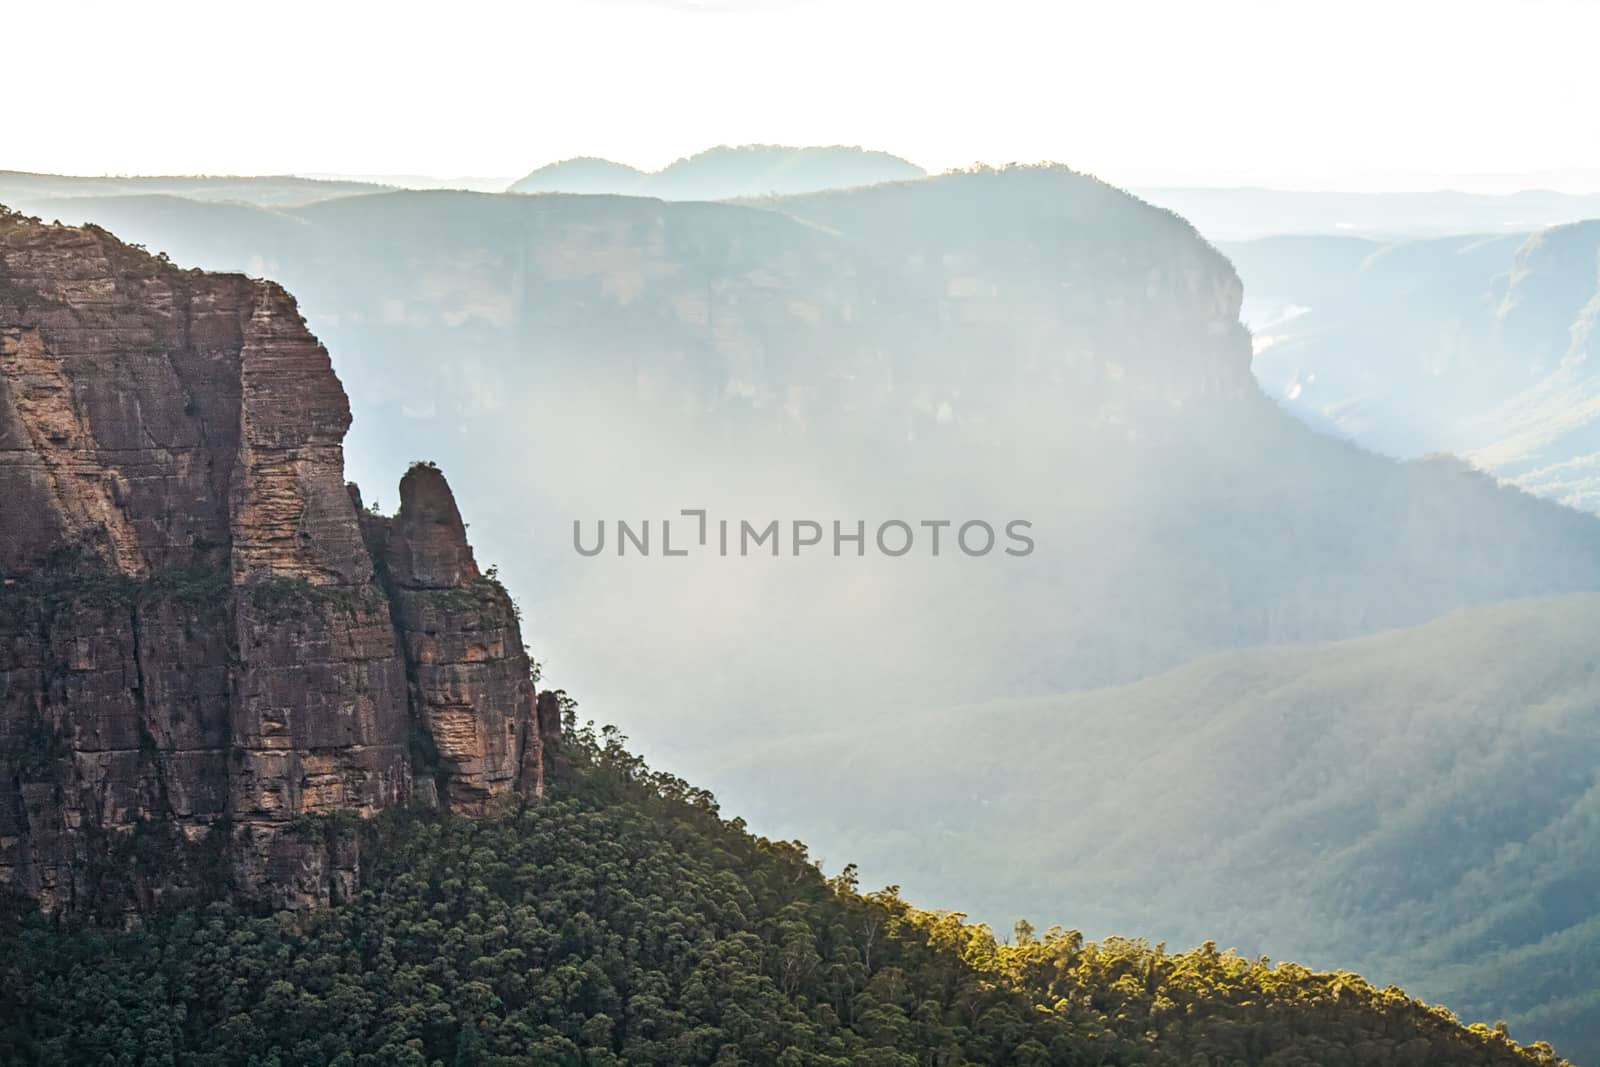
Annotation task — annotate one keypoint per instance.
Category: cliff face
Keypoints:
(201, 639)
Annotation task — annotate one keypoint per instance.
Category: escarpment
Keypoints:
(203, 640)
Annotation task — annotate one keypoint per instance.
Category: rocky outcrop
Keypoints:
(468, 672)
(198, 647)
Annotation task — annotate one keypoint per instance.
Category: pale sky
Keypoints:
(1351, 94)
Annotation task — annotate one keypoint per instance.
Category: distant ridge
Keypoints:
(726, 173)
(276, 190)
(1250, 213)
(584, 174)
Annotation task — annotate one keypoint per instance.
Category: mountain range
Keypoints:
(726, 173)
(19, 187)
(1028, 343)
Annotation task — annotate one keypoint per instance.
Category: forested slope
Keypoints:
(1420, 805)
(624, 922)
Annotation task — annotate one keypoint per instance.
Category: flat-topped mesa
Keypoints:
(195, 646)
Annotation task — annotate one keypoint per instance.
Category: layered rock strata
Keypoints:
(203, 640)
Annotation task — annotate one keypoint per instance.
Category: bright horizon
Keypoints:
(1361, 95)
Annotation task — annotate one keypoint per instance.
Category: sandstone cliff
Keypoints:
(203, 639)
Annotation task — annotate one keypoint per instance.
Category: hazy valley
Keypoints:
(1260, 681)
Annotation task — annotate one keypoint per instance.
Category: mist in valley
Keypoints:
(1023, 344)
(1133, 467)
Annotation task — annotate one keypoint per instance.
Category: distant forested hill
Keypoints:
(726, 173)
(622, 922)
(1421, 804)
